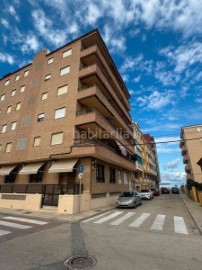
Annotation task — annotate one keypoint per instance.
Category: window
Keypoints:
(57, 138)
(8, 147)
(62, 90)
(100, 173)
(40, 117)
(125, 177)
(37, 141)
(44, 96)
(26, 73)
(18, 106)
(22, 89)
(4, 127)
(9, 109)
(2, 97)
(12, 175)
(13, 93)
(112, 175)
(67, 53)
(37, 178)
(17, 77)
(13, 125)
(47, 77)
(50, 60)
(7, 82)
(0, 147)
(59, 113)
(26, 121)
(64, 70)
(119, 176)
(22, 142)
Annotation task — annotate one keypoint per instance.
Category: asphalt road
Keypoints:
(158, 235)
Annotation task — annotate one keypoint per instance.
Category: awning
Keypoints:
(5, 170)
(63, 166)
(122, 148)
(31, 168)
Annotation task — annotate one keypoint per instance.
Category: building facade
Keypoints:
(68, 108)
(147, 174)
(191, 150)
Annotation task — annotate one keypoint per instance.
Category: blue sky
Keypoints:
(156, 45)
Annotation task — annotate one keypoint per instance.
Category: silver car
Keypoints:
(146, 194)
(129, 199)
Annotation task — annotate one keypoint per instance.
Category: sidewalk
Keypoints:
(51, 213)
(194, 209)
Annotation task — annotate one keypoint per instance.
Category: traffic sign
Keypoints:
(80, 168)
(80, 175)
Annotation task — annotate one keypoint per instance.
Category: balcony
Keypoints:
(101, 127)
(183, 150)
(103, 152)
(188, 168)
(92, 75)
(182, 143)
(93, 53)
(138, 166)
(93, 97)
(185, 159)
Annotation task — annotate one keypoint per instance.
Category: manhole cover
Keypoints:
(80, 262)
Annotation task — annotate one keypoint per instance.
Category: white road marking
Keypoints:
(140, 220)
(122, 219)
(33, 221)
(179, 225)
(14, 225)
(2, 232)
(158, 223)
(108, 217)
(89, 219)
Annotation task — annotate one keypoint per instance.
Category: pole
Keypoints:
(79, 195)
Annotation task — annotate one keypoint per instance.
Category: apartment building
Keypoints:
(191, 150)
(152, 164)
(69, 108)
(147, 174)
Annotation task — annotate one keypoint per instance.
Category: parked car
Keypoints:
(129, 199)
(155, 191)
(175, 190)
(165, 190)
(146, 194)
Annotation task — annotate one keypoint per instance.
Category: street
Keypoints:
(160, 234)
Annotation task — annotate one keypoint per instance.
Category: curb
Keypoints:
(198, 227)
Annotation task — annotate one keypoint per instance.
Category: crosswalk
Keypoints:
(134, 220)
(10, 222)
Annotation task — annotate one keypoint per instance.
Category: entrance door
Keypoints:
(51, 195)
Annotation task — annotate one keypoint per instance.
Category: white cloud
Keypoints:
(184, 56)
(7, 58)
(198, 100)
(26, 42)
(5, 23)
(115, 43)
(45, 29)
(129, 63)
(13, 12)
(31, 43)
(174, 177)
(137, 79)
(172, 164)
(156, 100)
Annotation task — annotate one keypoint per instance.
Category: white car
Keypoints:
(146, 194)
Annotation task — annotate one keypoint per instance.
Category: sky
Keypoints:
(156, 45)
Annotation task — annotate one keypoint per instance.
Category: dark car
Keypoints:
(165, 190)
(155, 191)
(175, 190)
